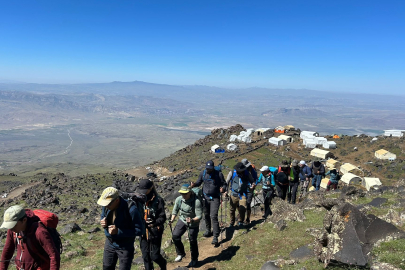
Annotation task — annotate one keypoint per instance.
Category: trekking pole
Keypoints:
(254, 204)
(222, 224)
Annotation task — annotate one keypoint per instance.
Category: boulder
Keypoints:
(349, 235)
(280, 225)
(302, 254)
(377, 202)
(70, 228)
(269, 266)
(283, 210)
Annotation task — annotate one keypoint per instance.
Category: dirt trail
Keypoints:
(210, 254)
(18, 191)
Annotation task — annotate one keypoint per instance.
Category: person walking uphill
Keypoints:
(250, 169)
(318, 171)
(267, 180)
(239, 181)
(189, 208)
(214, 185)
(35, 247)
(283, 179)
(334, 178)
(305, 175)
(121, 225)
(154, 217)
(294, 182)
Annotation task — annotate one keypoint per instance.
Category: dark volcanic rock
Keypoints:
(70, 228)
(377, 202)
(281, 225)
(302, 253)
(269, 266)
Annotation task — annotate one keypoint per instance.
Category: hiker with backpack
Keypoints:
(250, 168)
(267, 180)
(294, 182)
(214, 186)
(154, 217)
(122, 222)
(334, 178)
(282, 179)
(305, 176)
(239, 181)
(188, 207)
(318, 172)
(36, 247)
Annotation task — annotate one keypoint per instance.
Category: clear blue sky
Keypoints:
(331, 45)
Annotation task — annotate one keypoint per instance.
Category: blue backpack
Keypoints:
(216, 168)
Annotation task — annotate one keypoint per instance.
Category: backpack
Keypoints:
(216, 168)
(236, 183)
(198, 196)
(50, 222)
(139, 201)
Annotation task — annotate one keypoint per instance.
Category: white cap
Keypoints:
(265, 168)
(302, 162)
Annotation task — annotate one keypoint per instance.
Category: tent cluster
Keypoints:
(244, 136)
(311, 139)
(394, 133)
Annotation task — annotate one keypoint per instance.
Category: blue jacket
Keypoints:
(305, 171)
(334, 176)
(128, 222)
(263, 179)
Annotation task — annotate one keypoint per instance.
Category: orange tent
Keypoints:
(336, 136)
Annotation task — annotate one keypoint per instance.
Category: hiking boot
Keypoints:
(231, 224)
(179, 258)
(193, 263)
(214, 241)
(247, 221)
(240, 224)
(207, 234)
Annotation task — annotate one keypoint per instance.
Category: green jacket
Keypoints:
(191, 208)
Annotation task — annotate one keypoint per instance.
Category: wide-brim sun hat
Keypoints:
(239, 167)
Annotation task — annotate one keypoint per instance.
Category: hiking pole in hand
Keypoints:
(222, 224)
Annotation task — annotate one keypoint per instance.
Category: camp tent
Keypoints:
(286, 138)
(384, 154)
(329, 145)
(324, 183)
(370, 182)
(233, 138)
(277, 141)
(309, 143)
(320, 140)
(351, 179)
(374, 139)
(331, 163)
(231, 147)
(260, 131)
(319, 153)
(214, 147)
(289, 127)
(347, 168)
(279, 129)
(308, 134)
(336, 136)
(394, 133)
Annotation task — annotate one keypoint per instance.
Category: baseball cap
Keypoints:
(246, 162)
(209, 164)
(302, 162)
(144, 186)
(185, 189)
(265, 168)
(294, 163)
(109, 194)
(11, 216)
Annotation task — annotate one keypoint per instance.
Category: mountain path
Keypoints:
(208, 254)
(18, 191)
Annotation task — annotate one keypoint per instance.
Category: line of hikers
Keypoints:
(142, 214)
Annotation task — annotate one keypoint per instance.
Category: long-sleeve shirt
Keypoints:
(191, 208)
(212, 183)
(128, 222)
(305, 172)
(264, 179)
(246, 180)
(334, 176)
(42, 249)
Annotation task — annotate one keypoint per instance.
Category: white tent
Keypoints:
(370, 182)
(310, 144)
(329, 145)
(231, 147)
(351, 179)
(215, 146)
(233, 138)
(277, 141)
(384, 154)
(320, 140)
(308, 134)
(347, 168)
(331, 162)
(246, 139)
(286, 138)
(260, 131)
(319, 153)
(394, 133)
(374, 139)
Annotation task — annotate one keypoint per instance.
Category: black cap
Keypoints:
(239, 167)
(144, 186)
(209, 164)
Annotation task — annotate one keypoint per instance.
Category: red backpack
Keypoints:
(50, 222)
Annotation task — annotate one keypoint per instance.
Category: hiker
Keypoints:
(282, 179)
(250, 168)
(154, 217)
(34, 244)
(214, 185)
(318, 171)
(334, 178)
(294, 182)
(121, 226)
(267, 180)
(305, 175)
(189, 208)
(239, 181)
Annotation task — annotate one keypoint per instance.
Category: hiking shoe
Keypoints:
(214, 241)
(179, 258)
(240, 224)
(207, 234)
(231, 224)
(247, 221)
(193, 263)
